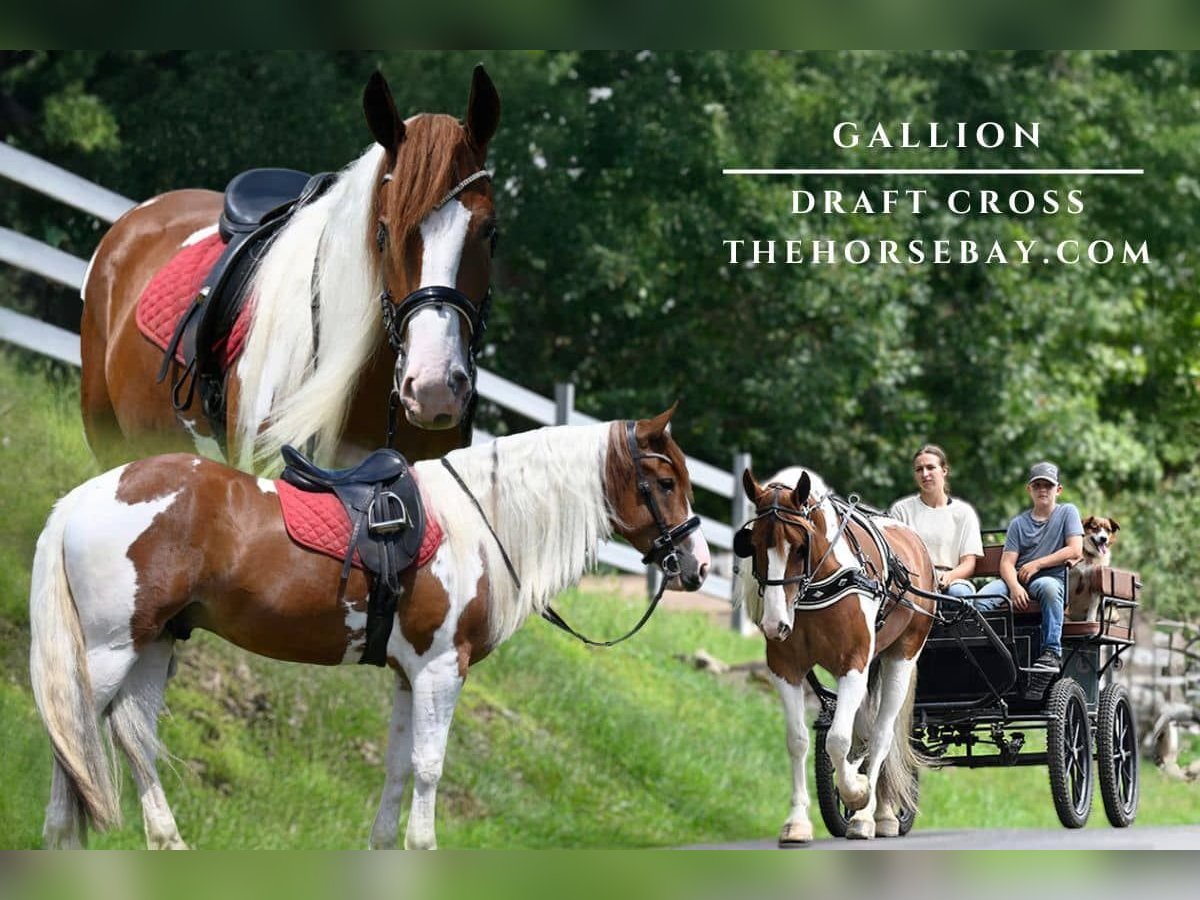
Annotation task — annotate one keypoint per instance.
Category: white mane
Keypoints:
(278, 385)
(543, 492)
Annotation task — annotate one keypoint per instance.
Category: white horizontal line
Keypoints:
(933, 171)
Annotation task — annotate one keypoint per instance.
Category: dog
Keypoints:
(1099, 535)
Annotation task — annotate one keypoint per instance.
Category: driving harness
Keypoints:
(887, 587)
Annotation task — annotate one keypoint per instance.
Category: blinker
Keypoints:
(743, 545)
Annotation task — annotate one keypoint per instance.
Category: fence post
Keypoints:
(564, 402)
(739, 512)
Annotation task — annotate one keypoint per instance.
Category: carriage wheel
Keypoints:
(833, 812)
(1117, 755)
(1069, 753)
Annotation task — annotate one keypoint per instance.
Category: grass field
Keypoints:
(554, 745)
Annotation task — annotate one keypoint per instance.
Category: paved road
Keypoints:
(1179, 837)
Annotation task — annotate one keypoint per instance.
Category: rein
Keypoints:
(662, 552)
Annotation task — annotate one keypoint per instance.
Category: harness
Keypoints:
(396, 316)
(887, 586)
(663, 551)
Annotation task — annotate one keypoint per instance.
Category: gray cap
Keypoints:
(1043, 471)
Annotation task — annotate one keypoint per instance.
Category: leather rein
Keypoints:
(663, 551)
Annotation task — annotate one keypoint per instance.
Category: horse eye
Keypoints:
(666, 484)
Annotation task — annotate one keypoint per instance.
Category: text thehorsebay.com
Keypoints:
(811, 205)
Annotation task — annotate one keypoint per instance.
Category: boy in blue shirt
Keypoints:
(1041, 542)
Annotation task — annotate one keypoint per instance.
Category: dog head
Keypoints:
(1099, 534)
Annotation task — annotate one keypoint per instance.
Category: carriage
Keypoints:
(978, 699)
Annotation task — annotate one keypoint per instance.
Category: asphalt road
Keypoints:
(1176, 837)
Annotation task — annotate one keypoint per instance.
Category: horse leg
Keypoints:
(895, 676)
(399, 764)
(434, 695)
(798, 828)
(65, 827)
(852, 785)
(134, 718)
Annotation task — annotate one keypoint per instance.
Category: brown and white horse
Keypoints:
(406, 215)
(145, 551)
(819, 581)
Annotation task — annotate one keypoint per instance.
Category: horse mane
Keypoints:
(543, 492)
(283, 399)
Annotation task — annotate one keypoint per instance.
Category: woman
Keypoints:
(948, 526)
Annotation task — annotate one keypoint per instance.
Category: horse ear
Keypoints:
(750, 485)
(649, 429)
(383, 120)
(483, 110)
(803, 489)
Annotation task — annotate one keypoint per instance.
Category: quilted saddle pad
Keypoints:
(172, 289)
(318, 521)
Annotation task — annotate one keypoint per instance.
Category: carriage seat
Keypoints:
(1123, 585)
(253, 195)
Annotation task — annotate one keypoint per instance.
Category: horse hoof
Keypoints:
(856, 794)
(860, 830)
(794, 833)
(888, 827)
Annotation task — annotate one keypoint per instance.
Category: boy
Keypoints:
(1041, 542)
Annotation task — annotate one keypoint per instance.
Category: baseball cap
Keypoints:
(1043, 471)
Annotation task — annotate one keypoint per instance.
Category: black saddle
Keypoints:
(387, 523)
(258, 203)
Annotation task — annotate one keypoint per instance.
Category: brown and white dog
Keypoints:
(1099, 535)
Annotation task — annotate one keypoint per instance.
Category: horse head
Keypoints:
(435, 231)
(649, 493)
(786, 534)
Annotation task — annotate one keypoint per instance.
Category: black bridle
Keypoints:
(743, 546)
(396, 316)
(663, 551)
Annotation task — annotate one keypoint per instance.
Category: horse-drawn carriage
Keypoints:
(978, 697)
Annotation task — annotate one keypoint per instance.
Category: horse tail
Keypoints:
(900, 768)
(58, 668)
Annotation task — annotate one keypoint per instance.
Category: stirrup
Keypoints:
(386, 526)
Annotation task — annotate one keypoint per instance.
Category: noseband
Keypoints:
(397, 315)
(663, 552)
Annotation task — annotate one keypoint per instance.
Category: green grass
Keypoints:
(554, 744)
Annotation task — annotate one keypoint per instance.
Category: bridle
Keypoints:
(743, 547)
(663, 551)
(396, 316)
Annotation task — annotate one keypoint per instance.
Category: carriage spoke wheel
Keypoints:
(833, 812)
(1069, 753)
(1117, 755)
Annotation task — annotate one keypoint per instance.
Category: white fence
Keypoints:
(49, 340)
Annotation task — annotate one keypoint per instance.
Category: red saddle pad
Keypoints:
(319, 522)
(172, 290)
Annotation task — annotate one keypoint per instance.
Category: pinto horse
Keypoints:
(410, 220)
(142, 553)
(831, 588)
